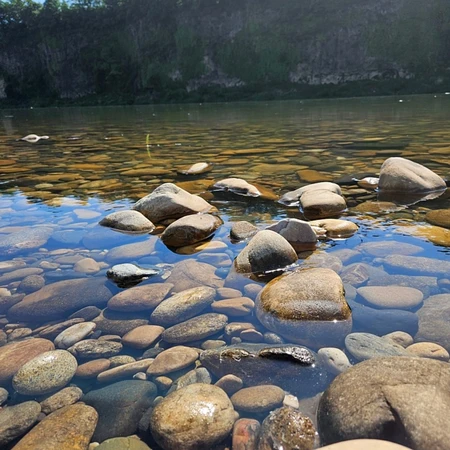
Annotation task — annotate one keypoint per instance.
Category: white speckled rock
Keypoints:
(45, 373)
(334, 360)
(74, 334)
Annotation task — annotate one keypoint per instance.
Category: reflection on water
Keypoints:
(99, 160)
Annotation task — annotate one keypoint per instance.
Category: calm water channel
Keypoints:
(53, 194)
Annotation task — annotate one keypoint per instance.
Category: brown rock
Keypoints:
(171, 360)
(190, 229)
(124, 371)
(258, 399)
(190, 273)
(91, 369)
(140, 298)
(245, 434)
(439, 217)
(14, 356)
(429, 350)
(195, 417)
(234, 306)
(143, 336)
(68, 428)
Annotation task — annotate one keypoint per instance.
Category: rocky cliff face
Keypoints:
(185, 46)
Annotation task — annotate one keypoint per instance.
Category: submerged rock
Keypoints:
(13, 356)
(434, 318)
(292, 367)
(60, 299)
(45, 373)
(288, 429)
(67, 428)
(307, 307)
(30, 238)
(196, 417)
(120, 407)
(399, 398)
(168, 201)
(402, 175)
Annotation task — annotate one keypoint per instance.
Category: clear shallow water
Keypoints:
(97, 161)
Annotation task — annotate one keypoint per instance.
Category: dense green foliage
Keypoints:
(140, 51)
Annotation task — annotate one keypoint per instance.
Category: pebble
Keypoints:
(122, 274)
(140, 298)
(365, 444)
(291, 401)
(87, 265)
(171, 360)
(400, 338)
(224, 293)
(234, 307)
(50, 332)
(258, 399)
(200, 375)
(13, 356)
(252, 290)
(196, 416)
(333, 359)
(87, 313)
(245, 434)
(120, 360)
(288, 429)
(91, 369)
(124, 371)
(93, 349)
(429, 350)
(70, 336)
(123, 443)
(183, 305)
(17, 420)
(364, 346)
(230, 384)
(31, 283)
(195, 329)
(65, 397)
(399, 297)
(251, 336)
(45, 373)
(212, 343)
(142, 337)
(67, 428)
(19, 333)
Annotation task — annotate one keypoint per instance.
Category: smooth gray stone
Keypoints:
(383, 322)
(21, 241)
(364, 346)
(200, 375)
(16, 420)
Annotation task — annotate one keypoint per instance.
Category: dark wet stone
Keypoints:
(401, 399)
(291, 367)
(60, 299)
(14, 243)
(31, 283)
(120, 406)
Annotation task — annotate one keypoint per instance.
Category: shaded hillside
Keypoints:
(139, 51)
